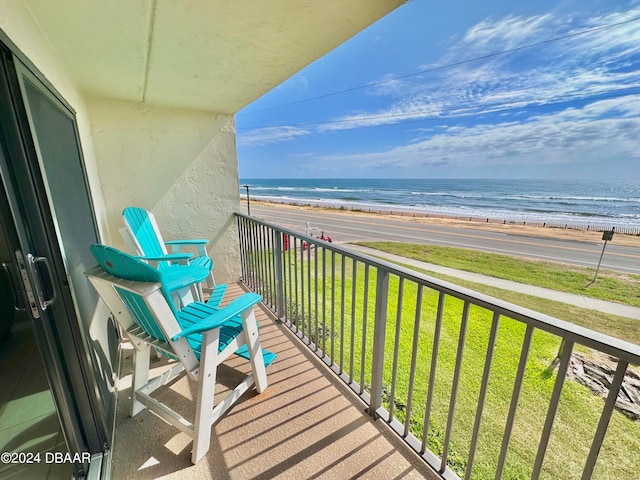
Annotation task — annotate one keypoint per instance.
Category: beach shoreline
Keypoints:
(568, 232)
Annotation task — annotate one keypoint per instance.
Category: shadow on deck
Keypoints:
(306, 424)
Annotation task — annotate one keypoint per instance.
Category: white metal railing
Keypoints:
(387, 332)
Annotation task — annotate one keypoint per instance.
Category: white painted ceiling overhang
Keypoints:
(212, 55)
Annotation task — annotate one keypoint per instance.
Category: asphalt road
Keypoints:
(344, 229)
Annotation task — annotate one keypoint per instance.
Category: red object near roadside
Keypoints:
(327, 238)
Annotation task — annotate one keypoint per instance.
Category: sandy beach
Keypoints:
(493, 225)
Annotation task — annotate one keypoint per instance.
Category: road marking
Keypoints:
(374, 235)
(521, 242)
(516, 253)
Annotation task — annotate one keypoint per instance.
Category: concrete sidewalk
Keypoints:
(569, 298)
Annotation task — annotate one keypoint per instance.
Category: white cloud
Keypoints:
(507, 33)
(566, 69)
(571, 136)
(580, 65)
(264, 136)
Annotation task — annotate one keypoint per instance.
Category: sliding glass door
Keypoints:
(48, 224)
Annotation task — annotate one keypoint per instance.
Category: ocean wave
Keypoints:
(541, 216)
(580, 198)
(462, 195)
(311, 189)
(447, 194)
(551, 201)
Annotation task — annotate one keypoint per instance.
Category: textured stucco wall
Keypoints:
(180, 164)
(18, 24)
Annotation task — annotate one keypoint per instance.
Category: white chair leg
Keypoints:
(186, 295)
(206, 391)
(250, 325)
(197, 292)
(141, 360)
(211, 283)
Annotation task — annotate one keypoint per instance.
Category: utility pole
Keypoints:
(248, 200)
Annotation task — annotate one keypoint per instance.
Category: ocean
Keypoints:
(573, 202)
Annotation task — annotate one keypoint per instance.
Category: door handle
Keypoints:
(12, 284)
(24, 268)
(31, 261)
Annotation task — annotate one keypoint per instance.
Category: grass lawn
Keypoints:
(624, 328)
(612, 286)
(347, 322)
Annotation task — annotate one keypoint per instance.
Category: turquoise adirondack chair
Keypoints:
(143, 234)
(199, 337)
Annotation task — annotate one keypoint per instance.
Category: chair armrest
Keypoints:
(187, 242)
(173, 258)
(170, 257)
(215, 320)
(167, 257)
(200, 245)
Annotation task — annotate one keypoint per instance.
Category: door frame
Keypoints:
(62, 343)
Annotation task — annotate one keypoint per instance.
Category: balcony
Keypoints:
(387, 373)
(307, 424)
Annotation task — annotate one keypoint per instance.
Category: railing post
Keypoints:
(288, 299)
(277, 257)
(379, 332)
(243, 250)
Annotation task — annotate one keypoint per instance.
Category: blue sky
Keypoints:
(461, 89)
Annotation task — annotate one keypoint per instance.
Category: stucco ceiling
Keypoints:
(214, 55)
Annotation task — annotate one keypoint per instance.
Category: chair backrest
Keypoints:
(144, 230)
(124, 266)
